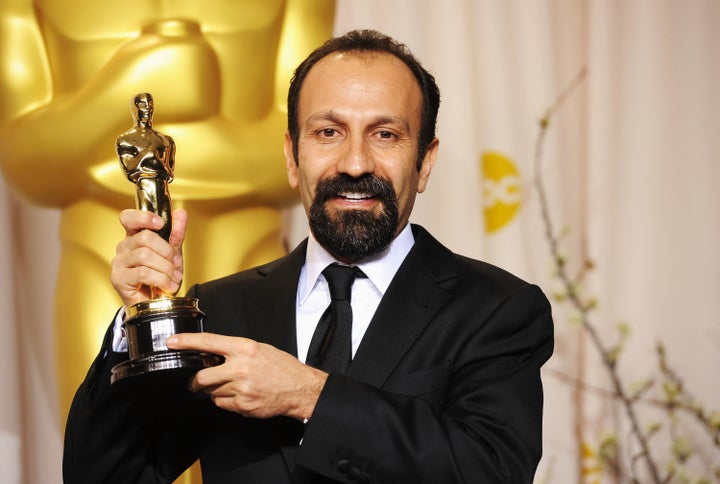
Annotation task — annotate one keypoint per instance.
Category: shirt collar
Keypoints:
(380, 268)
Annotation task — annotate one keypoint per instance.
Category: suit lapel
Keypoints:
(270, 304)
(411, 301)
(269, 307)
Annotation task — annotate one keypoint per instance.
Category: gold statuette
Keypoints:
(148, 160)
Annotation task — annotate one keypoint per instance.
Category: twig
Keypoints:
(570, 288)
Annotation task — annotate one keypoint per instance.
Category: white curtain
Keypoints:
(629, 164)
(10, 407)
(30, 430)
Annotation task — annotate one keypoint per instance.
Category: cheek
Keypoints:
(407, 191)
(406, 183)
(306, 189)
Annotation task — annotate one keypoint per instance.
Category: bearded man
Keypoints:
(423, 366)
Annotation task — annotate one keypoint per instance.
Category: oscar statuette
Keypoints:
(148, 160)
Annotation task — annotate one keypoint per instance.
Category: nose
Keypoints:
(357, 160)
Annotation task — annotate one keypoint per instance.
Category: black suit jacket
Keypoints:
(444, 388)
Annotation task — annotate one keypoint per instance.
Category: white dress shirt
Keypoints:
(313, 295)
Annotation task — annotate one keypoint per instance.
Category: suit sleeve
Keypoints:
(127, 432)
(487, 430)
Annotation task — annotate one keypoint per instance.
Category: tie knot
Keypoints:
(340, 280)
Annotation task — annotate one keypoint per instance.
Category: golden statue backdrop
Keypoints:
(219, 69)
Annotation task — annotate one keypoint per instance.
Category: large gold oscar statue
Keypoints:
(219, 68)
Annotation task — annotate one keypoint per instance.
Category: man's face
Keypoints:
(359, 123)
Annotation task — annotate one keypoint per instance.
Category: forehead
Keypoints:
(360, 81)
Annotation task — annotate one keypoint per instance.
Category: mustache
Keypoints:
(354, 233)
(368, 183)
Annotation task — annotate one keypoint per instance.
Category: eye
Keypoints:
(328, 132)
(385, 135)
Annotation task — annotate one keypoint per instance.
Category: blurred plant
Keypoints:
(614, 455)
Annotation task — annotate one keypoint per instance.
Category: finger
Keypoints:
(220, 380)
(228, 404)
(145, 260)
(246, 408)
(195, 385)
(179, 224)
(209, 343)
(148, 249)
(228, 396)
(137, 279)
(209, 381)
(134, 221)
(147, 239)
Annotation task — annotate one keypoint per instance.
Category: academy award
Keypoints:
(148, 160)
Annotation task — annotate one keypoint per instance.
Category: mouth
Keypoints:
(343, 192)
(356, 197)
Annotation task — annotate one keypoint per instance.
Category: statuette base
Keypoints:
(147, 327)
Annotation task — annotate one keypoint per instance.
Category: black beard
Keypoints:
(353, 234)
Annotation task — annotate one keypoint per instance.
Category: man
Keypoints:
(444, 385)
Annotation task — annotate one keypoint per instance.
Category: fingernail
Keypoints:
(171, 340)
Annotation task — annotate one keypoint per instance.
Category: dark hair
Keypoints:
(369, 41)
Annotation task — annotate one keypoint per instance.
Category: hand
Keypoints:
(145, 260)
(256, 380)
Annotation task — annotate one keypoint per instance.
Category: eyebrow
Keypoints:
(326, 116)
(380, 120)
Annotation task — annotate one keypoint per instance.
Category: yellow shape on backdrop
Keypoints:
(502, 192)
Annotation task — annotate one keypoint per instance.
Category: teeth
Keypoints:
(355, 196)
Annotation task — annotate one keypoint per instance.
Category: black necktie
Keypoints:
(331, 345)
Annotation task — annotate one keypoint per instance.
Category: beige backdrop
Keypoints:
(630, 165)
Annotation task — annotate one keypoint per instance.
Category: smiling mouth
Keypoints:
(356, 196)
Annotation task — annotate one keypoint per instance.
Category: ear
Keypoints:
(290, 164)
(427, 164)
